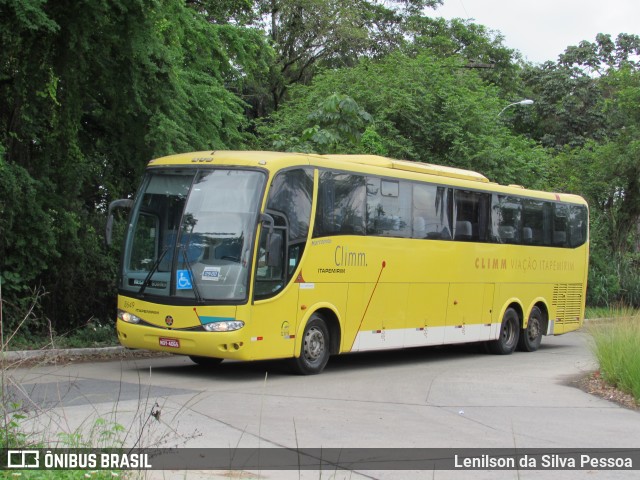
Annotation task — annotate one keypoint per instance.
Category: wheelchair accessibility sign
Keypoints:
(183, 282)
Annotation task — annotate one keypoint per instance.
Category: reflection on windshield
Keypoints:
(204, 224)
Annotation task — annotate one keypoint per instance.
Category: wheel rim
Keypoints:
(533, 329)
(509, 333)
(314, 345)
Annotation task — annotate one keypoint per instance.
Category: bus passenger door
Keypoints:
(283, 238)
(275, 304)
(273, 324)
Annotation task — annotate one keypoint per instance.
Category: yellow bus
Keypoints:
(265, 255)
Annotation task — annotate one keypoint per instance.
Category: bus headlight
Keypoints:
(223, 326)
(128, 317)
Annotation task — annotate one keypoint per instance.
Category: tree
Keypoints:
(607, 172)
(26, 239)
(310, 34)
(572, 94)
(423, 109)
(603, 55)
(88, 94)
(568, 109)
(483, 49)
(336, 125)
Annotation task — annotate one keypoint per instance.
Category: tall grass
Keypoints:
(617, 348)
(25, 424)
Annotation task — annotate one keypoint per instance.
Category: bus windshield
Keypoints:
(191, 234)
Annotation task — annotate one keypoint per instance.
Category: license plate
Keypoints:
(169, 342)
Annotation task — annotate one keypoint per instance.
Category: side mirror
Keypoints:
(122, 203)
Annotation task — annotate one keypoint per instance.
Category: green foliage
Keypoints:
(616, 348)
(102, 434)
(573, 96)
(26, 239)
(309, 35)
(568, 109)
(224, 11)
(93, 334)
(604, 54)
(614, 276)
(480, 49)
(336, 125)
(89, 93)
(587, 110)
(12, 433)
(423, 109)
(371, 142)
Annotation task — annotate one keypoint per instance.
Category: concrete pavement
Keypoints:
(453, 397)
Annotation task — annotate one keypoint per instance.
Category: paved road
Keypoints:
(454, 397)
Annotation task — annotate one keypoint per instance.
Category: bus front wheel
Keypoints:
(314, 351)
(509, 334)
(531, 336)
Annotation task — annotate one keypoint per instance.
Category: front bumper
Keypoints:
(228, 345)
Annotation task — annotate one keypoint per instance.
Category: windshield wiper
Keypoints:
(154, 267)
(196, 291)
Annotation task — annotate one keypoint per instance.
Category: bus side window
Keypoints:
(533, 222)
(560, 224)
(577, 225)
(291, 196)
(269, 280)
(506, 219)
(388, 208)
(431, 212)
(471, 215)
(341, 205)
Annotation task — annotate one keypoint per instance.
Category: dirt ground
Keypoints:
(594, 384)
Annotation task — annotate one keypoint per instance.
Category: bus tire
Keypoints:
(531, 336)
(509, 334)
(205, 361)
(314, 351)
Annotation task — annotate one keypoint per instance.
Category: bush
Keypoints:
(616, 343)
(614, 278)
(27, 243)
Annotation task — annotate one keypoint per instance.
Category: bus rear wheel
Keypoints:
(314, 351)
(205, 361)
(509, 334)
(531, 336)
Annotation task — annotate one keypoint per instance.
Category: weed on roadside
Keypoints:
(616, 339)
(31, 422)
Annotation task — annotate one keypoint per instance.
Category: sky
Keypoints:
(542, 29)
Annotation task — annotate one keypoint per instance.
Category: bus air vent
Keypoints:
(567, 297)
